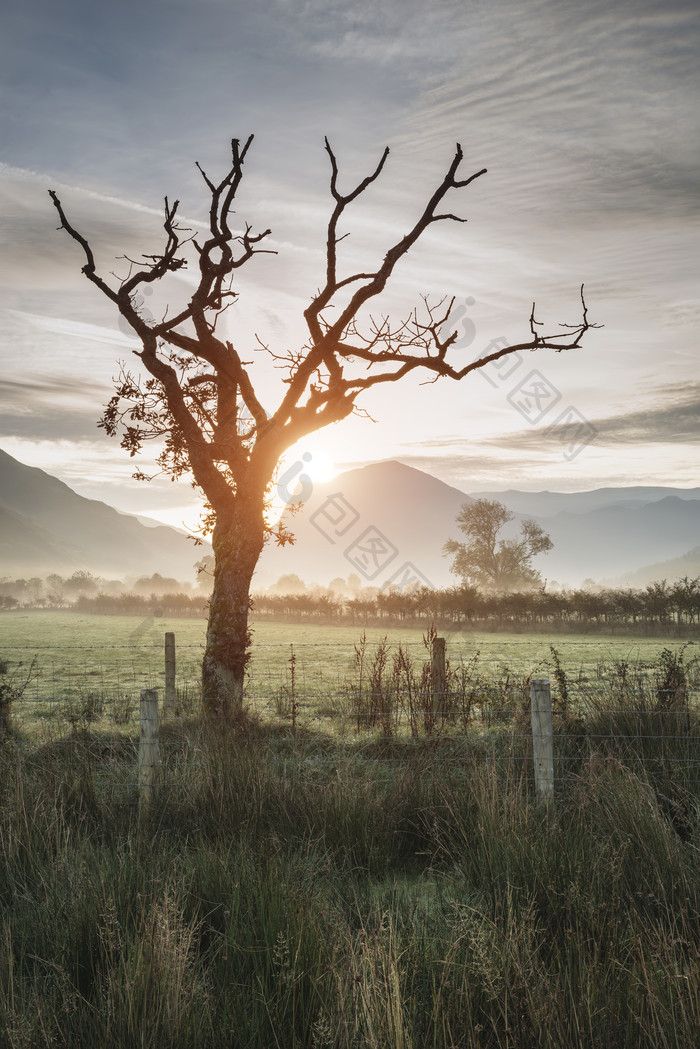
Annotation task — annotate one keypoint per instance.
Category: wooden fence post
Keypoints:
(438, 680)
(148, 748)
(542, 737)
(169, 668)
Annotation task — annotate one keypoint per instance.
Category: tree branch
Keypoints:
(199, 385)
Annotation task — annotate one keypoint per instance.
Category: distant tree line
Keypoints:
(85, 592)
(130, 604)
(661, 607)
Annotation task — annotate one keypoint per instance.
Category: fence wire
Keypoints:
(325, 710)
(662, 745)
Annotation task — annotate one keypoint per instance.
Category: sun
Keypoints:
(319, 467)
(298, 474)
(304, 467)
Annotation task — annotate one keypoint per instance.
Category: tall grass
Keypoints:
(394, 690)
(304, 891)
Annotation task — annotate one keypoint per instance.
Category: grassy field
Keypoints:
(295, 888)
(88, 667)
(123, 652)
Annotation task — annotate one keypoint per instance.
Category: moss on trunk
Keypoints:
(237, 544)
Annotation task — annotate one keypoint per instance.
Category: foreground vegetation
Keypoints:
(395, 885)
(301, 891)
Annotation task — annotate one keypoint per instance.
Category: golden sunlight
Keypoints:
(296, 477)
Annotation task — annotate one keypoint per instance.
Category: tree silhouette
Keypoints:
(489, 561)
(198, 397)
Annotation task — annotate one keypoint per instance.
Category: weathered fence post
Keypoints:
(542, 737)
(148, 748)
(169, 668)
(438, 681)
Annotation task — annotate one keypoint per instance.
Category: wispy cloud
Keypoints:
(585, 114)
(51, 407)
(74, 329)
(673, 417)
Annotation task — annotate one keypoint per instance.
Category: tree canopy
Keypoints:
(487, 559)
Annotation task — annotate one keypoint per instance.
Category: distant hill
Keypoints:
(46, 527)
(617, 539)
(599, 535)
(372, 522)
(677, 568)
(386, 522)
(545, 504)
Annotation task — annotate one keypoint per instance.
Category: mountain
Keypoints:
(46, 527)
(385, 520)
(677, 568)
(614, 540)
(21, 540)
(545, 504)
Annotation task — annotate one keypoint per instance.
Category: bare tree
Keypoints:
(199, 397)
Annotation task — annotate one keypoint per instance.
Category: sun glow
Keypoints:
(320, 467)
(298, 474)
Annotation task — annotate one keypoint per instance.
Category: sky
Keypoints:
(584, 113)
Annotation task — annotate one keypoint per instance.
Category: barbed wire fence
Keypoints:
(138, 717)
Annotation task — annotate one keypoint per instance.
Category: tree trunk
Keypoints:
(237, 541)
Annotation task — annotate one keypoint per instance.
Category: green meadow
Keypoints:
(118, 655)
(70, 670)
